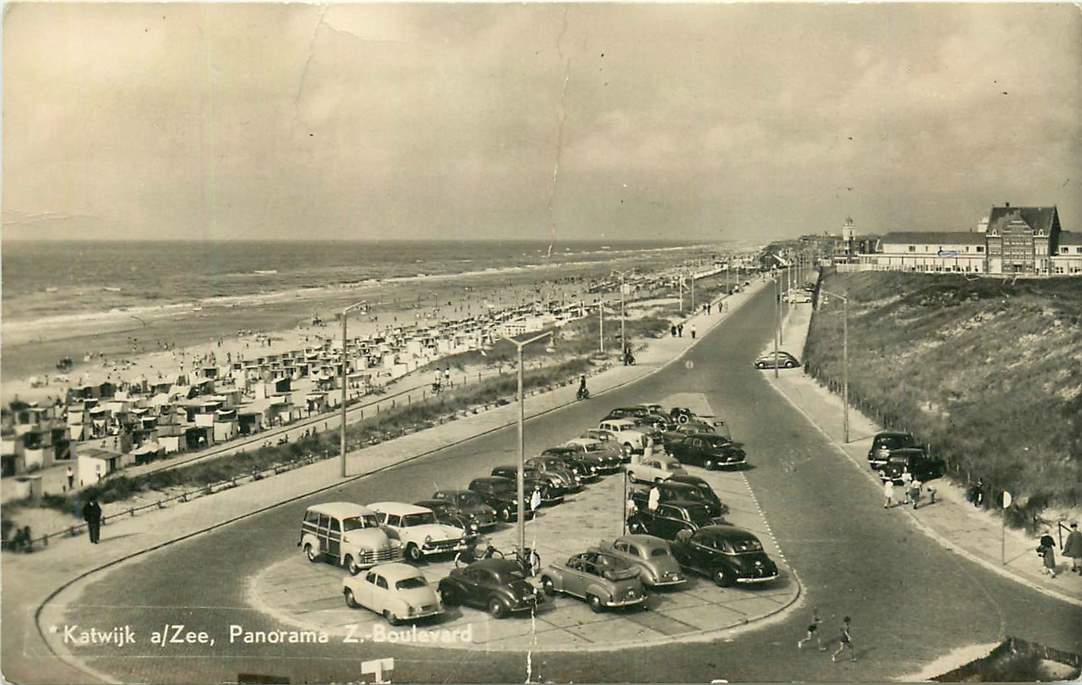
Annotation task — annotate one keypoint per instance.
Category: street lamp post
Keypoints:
(522, 441)
(777, 320)
(601, 324)
(345, 363)
(845, 360)
(692, 274)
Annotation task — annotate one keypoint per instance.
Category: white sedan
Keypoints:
(654, 469)
(398, 592)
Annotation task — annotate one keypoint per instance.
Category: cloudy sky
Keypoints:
(586, 121)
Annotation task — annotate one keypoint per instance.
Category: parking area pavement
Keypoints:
(309, 596)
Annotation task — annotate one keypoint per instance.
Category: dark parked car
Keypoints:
(555, 468)
(703, 487)
(678, 493)
(920, 465)
(726, 554)
(586, 466)
(450, 515)
(471, 503)
(784, 360)
(551, 493)
(885, 443)
(705, 449)
(609, 456)
(670, 518)
(502, 495)
(497, 585)
(638, 411)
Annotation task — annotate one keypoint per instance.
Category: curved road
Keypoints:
(911, 601)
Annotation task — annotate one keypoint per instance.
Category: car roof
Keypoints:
(341, 509)
(397, 570)
(719, 532)
(689, 479)
(619, 422)
(491, 479)
(400, 508)
(457, 491)
(432, 503)
(894, 434)
(647, 541)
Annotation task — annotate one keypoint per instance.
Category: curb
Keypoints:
(921, 525)
(76, 663)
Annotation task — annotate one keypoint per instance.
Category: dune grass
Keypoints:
(987, 372)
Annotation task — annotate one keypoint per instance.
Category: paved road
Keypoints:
(911, 601)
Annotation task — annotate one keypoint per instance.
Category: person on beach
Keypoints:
(436, 381)
(888, 494)
(447, 376)
(914, 492)
(1047, 551)
(813, 633)
(71, 478)
(92, 516)
(846, 642)
(1072, 548)
(907, 479)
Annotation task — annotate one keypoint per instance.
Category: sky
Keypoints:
(565, 122)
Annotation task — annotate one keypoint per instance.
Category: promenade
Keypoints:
(975, 534)
(50, 575)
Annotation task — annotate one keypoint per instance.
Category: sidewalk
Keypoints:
(46, 576)
(953, 522)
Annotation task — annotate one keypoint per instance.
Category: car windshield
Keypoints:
(421, 519)
(510, 575)
(502, 486)
(659, 552)
(359, 522)
(893, 442)
(469, 498)
(748, 545)
(693, 494)
(410, 583)
(716, 441)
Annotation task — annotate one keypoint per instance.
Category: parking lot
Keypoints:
(309, 596)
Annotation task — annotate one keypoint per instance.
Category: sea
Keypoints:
(43, 279)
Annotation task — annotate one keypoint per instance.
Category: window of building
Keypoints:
(1064, 250)
(980, 248)
(912, 248)
(1078, 250)
(1059, 269)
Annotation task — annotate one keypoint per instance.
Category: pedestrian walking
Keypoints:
(1047, 551)
(1072, 548)
(812, 633)
(92, 516)
(680, 330)
(71, 478)
(888, 494)
(907, 479)
(914, 492)
(672, 329)
(846, 642)
(692, 331)
(447, 376)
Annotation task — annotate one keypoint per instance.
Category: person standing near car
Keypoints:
(888, 493)
(914, 492)
(907, 479)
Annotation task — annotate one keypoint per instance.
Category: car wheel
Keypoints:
(683, 418)
(496, 608)
(391, 618)
(413, 553)
(548, 586)
(351, 601)
(595, 603)
(627, 449)
(636, 527)
(789, 365)
(351, 565)
(505, 515)
(722, 578)
(311, 553)
(708, 464)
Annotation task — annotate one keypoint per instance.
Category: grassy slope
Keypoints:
(989, 373)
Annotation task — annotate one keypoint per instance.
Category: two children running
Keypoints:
(845, 639)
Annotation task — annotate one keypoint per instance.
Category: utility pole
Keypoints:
(345, 365)
(777, 321)
(693, 292)
(845, 360)
(601, 324)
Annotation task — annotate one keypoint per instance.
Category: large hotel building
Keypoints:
(1025, 241)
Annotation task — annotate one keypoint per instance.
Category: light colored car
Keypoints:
(398, 592)
(651, 555)
(653, 469)
(418, 531)
(602, 581)
(626, 434)
(347, 534)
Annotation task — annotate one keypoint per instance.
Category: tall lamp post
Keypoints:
(777, 320)
(345, 364)
(522, 440)
(845, 359)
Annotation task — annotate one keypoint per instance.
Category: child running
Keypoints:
(813, 632)
(846, 641)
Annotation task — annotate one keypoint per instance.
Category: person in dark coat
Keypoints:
(1047, 550)
(1072, 548)
(92, 516)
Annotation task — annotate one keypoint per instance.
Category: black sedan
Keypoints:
(496, 585)
(502, 495)
(586, 466)
(450, 515)
(704, 489)
(783, 360)
(705, 449)
(669, 518)
(472, 504)
(725, 554)
(551, 492)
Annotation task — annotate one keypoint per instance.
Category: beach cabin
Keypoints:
(225, 424)
(12, 458)
(170, 436)
(273, 388)
(147, 452)
(95, 464)
(315, 403)
(249, 421)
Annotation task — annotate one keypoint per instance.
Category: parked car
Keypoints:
(471, 503)
(920, 465)
(669, 518)
(450, 515)
(556, 469)
(607, 453)
(651, 555)
(690, 422)
(706, 450)
(601, 581)
(669, 491)
(417, 529)
(551, 492)
(704, 489)
(497, 585)
(653, 469)
(885, 443)
(346, 534)
(782, 360)
(502, 495)
(627, 412)
(398, 592)
(625, 432)
(726, 554)
(586, 467)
